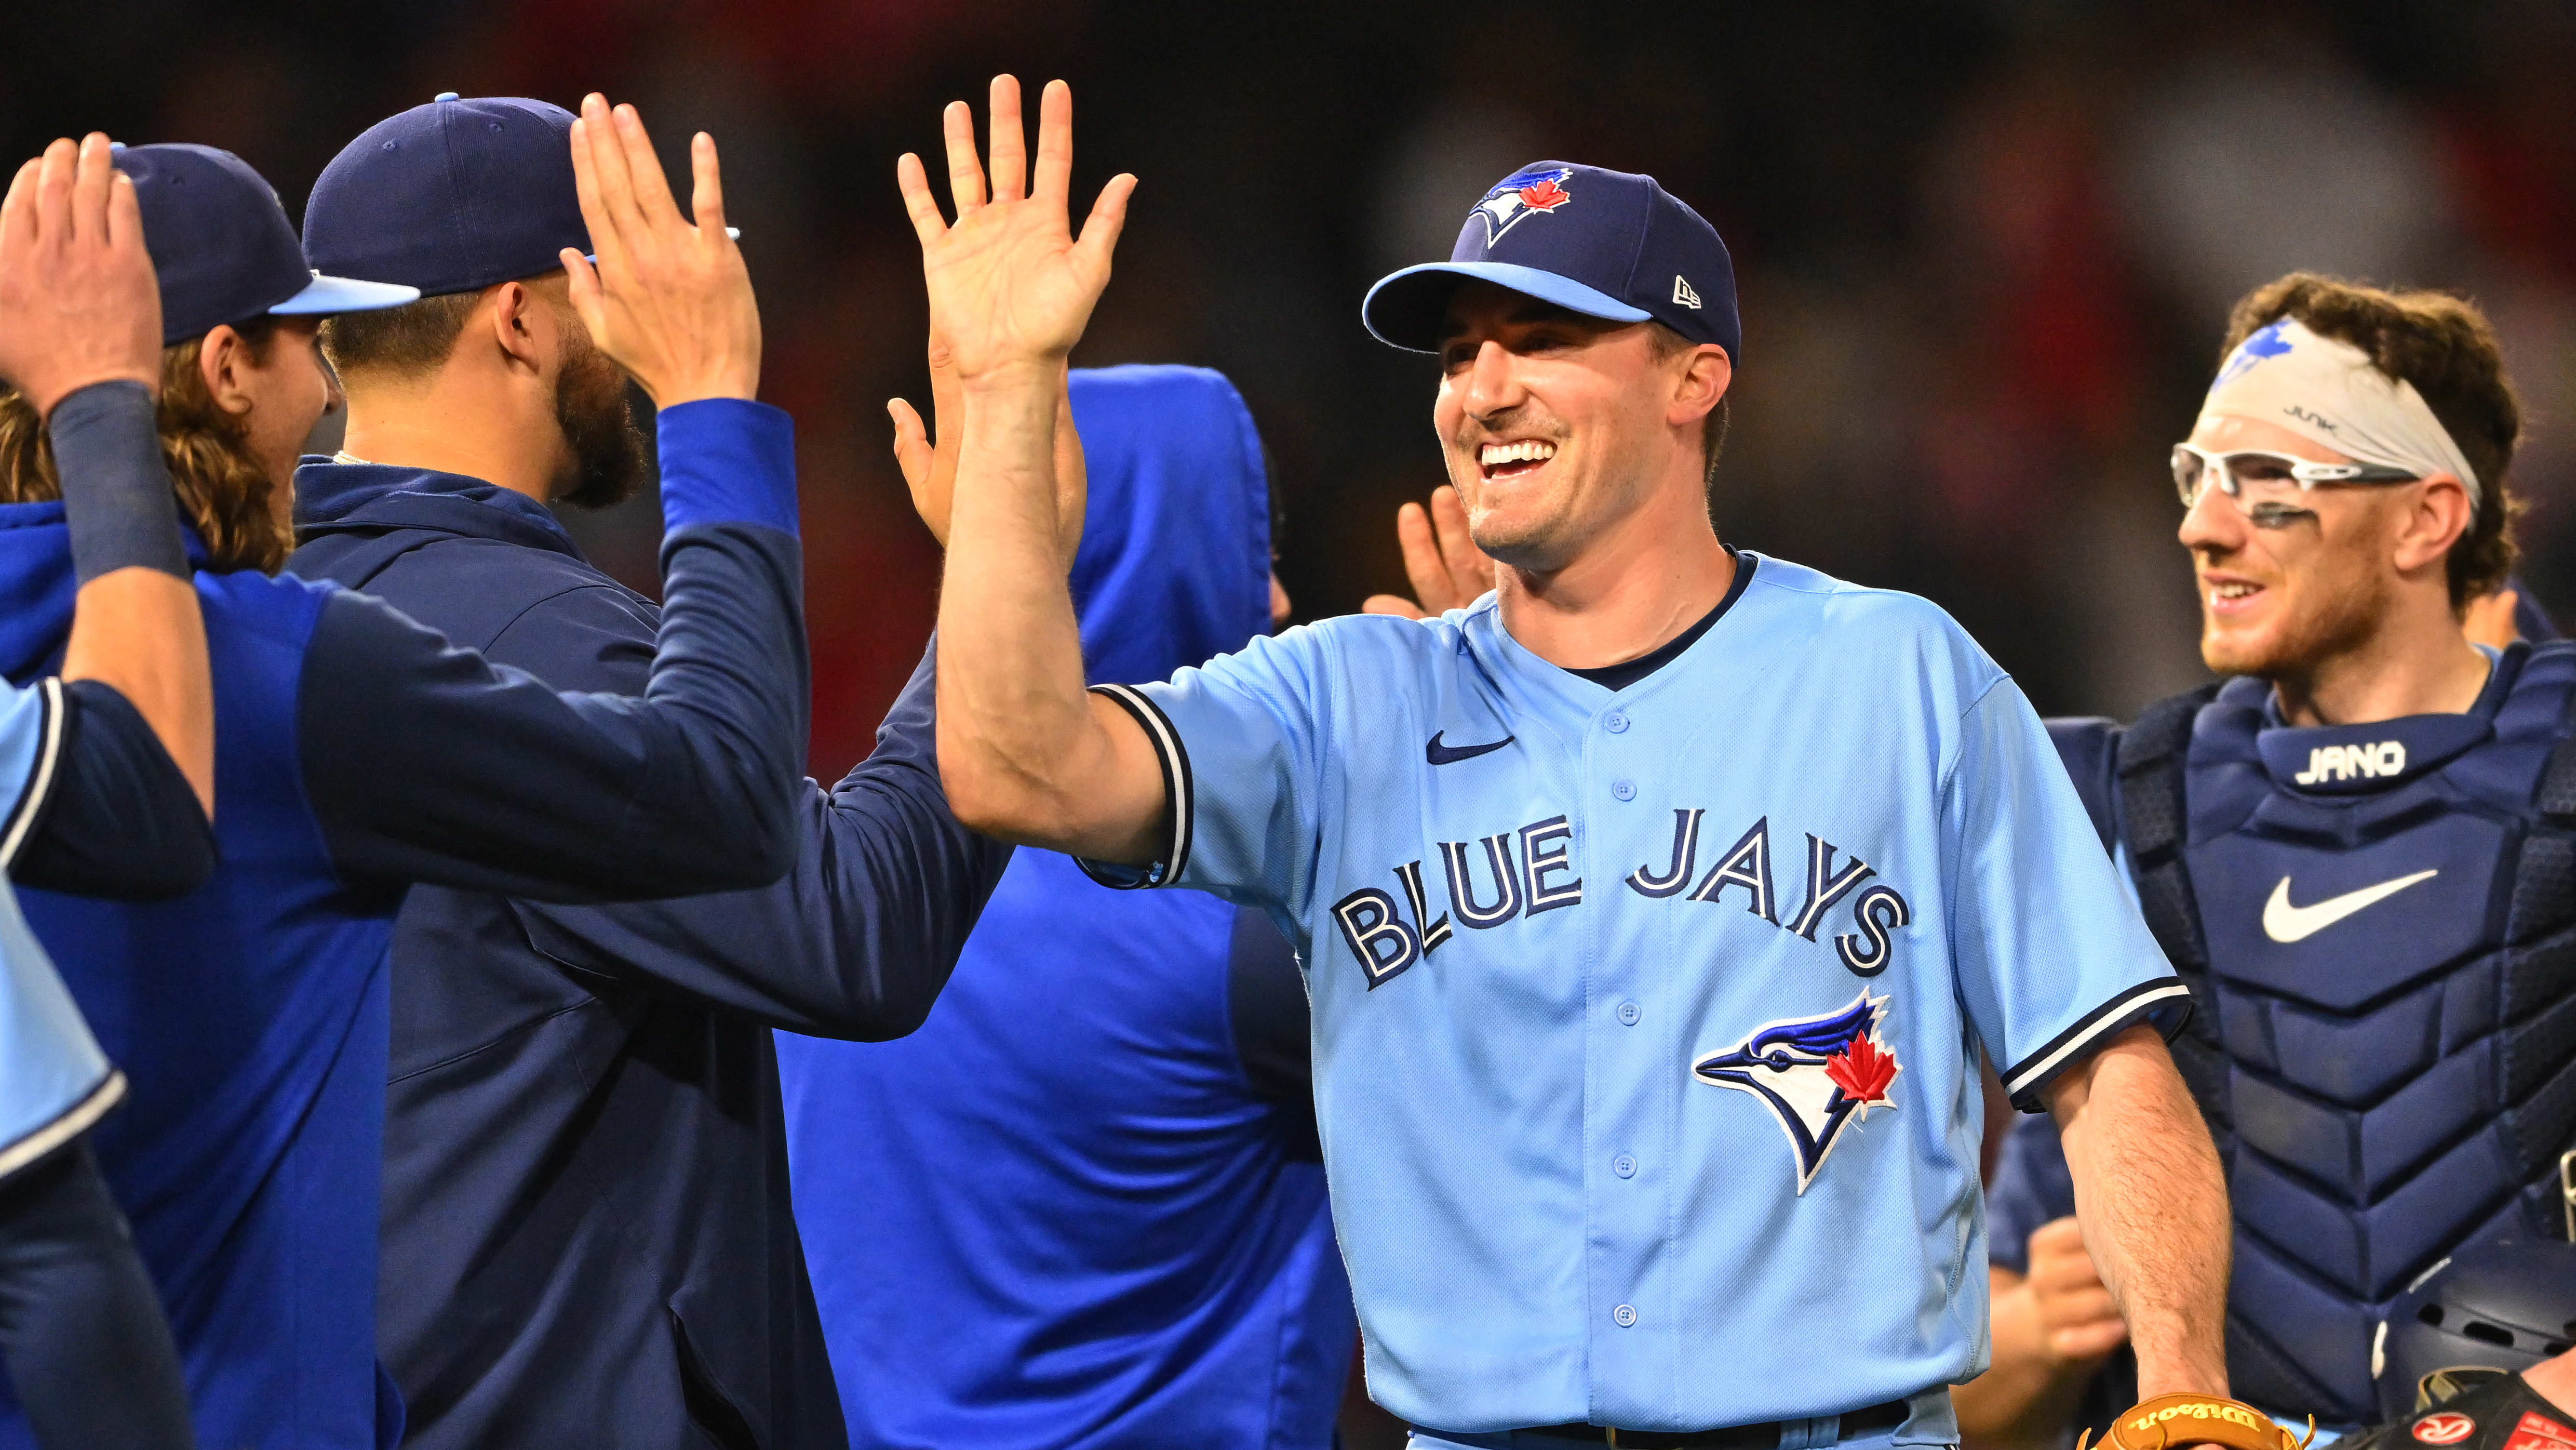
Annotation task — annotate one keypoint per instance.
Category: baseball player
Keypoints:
(587, 1233)
(105, 770)
(1654, 909)
(1142, 1253)
(2355, 850)
(361, 752)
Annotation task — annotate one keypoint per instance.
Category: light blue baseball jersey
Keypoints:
(1646, 1021)
(53, 1079)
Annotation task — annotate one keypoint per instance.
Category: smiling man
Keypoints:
(2357, 851)
(1652, 909)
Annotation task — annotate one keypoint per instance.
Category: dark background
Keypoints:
(1985, 247)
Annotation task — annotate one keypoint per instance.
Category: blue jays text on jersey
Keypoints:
(1655, 1029)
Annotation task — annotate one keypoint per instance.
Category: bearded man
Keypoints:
(2356, 850)
(587, 1237)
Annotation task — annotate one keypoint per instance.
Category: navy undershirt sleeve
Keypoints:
(1266, 998)
(862, 934)
(424, 762)
(121, 820)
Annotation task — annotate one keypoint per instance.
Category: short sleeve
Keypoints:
(31, 742)
(2052, 956)
(1241, 747)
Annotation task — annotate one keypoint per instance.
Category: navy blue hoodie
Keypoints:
(357, 752)
(587, 1231)
(1083, 1205)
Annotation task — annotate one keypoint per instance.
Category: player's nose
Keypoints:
(2212, 524)
(1492, 383)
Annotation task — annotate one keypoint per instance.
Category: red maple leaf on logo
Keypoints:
(1862, 1070)
(1545, 196)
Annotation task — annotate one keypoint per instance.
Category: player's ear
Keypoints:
(221, 356)
(514, 325)
(2437, 518)
(1701, 377)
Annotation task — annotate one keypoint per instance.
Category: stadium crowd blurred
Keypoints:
(1987, 246)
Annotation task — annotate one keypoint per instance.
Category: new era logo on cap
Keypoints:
(1608, 244)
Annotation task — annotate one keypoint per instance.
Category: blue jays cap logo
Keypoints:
(1817, 1075)
(1522, 195)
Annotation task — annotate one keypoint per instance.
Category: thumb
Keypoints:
(1395, 604)
(911, 444)
(584, 280)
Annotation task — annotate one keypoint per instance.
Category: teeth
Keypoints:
(1528, 450)
(2231, 591)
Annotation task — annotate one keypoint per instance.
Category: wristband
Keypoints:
(116, 489)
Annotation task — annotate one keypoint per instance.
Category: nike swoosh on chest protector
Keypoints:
(2285, 923)
(1439, 754)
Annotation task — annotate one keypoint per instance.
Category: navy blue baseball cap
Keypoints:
(452, 196)
(223, 248)
(1608, 244)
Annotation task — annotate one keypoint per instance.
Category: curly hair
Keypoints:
(2446, 348)
(223, 489)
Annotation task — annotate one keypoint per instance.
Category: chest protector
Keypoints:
(2378, 924)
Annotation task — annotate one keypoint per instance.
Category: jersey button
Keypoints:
(1624, 1166)
(1628, 1014)
(1624, 790)
(1625, 1316)
(1615, 723)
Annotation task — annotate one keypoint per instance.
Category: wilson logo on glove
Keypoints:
(2169, 1422)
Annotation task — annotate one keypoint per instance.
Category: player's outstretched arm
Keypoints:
(1025, 752)
(2153, 1207)
(80, 339)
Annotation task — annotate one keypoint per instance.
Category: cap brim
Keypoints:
(1407, 309)
(325, 295)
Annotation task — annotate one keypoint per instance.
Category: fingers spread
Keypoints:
(965, 171)
(1108, 218)
(1010, 151)
(911, 444)
(90, 190)
(914, 182)
(1055, 141)
(653, 200)
(54, 192)
(589, 178)
(706, 192)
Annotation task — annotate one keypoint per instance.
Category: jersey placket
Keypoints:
(1633, 1320)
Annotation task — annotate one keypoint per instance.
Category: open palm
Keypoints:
(1009, 283)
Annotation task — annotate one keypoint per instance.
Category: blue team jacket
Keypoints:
(587, 1236)
(355, 752)
(1072, 1209)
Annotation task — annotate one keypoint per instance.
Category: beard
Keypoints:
(2338, 616)
(604, 462)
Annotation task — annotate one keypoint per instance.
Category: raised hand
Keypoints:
(669, 299)
(1010, 285)
(78, 300)
(930, 468)
(1447, 569)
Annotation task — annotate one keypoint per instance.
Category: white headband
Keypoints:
(2331, 394)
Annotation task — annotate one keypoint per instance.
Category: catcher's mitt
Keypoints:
(2169, 1422)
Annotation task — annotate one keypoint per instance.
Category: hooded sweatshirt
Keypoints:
(355, 753)
(587, 1231)
(1082, 1206)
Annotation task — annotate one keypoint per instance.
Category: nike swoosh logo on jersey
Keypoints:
(1439, 754)
(2285, 923)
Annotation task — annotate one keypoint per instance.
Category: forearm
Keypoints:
(2153, 1205)
(2027, 1395)
(1018, 734)
(135, 622)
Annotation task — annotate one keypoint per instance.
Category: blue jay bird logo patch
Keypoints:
(1522, 195)
(1817, 1075)
(2266, 342)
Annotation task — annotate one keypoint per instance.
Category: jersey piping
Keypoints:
(1174, 757)
(2113, 1016)
(40, 781)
